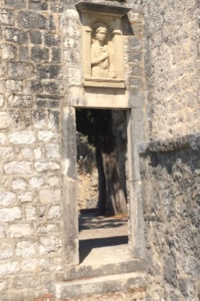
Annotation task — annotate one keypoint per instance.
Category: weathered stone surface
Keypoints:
(20, 230)
(49, 245)
(20, 70)
(10, 214)
(25, 249)
(36, 182)
(46, 166)
(16, 35)
(7, 199)
(22, 137)
(18, 167)
(20, 101)
(6, 251)
(25, 197)
(49, 196)
(30, 212)
(18, 184)
(30, 19)
(5, 120)
(16, 3)
(6, 17)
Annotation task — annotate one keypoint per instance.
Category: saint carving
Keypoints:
(101, 66)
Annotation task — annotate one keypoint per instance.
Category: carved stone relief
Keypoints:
(102, 45)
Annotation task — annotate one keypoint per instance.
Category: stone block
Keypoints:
(15, 35)
(46, 166)
(2, 138)
(20, 230)
(38, 153)
(25, 197)
(54, 212)
(20, 101)
(2, 100)
(28, 19)
(51, 71)
(47, 228)
(10, 214)
(23, 53)
(50, 265)
(2, 232)
(52, 39)
(54, 181)
(39, 119)
(39, 54)
(25, 249)
(49, 245)
(57, 7)
(7, 199)
(52, 150)
(54, 87)
(35, 36)
(30, 213)
(5, 120)
(13, 85)
(26, 153)
(9, 268)
(8, 51)
(6, 17)
(46, 136)
(20, 70)
(16, 3)
(47, 196)
(18, 167)
(26, 282)
(7, 152)
(28, 265)
(36, 182)
(4, 285)
(6, 250)
(36, 86)
(53, 119)
(55, 55)
(22, 137)
(135, 57)
(34, 5)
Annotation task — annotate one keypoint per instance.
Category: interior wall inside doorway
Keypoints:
(88, 181)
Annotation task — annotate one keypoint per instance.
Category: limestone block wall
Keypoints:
(31, 95)
(172, 67)
(40, 59)
(170, 180)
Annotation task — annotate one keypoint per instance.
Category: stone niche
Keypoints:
(102, 44)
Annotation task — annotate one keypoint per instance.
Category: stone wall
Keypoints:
(171, 186)
(40, 55)
(172, 67)
(31, 95)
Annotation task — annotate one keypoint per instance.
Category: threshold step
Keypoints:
(99, 285)
(105, 269)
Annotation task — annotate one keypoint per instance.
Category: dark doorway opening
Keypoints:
(102, 184)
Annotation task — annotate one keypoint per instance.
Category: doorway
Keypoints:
(103, 191)
(70, 198)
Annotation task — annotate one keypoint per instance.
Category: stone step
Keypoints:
(105, 269)
(99, 285)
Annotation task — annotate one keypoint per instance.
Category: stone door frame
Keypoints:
(70, 201)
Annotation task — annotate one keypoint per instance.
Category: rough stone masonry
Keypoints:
(40, 53)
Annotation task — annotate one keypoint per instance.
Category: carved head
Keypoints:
(100, 32)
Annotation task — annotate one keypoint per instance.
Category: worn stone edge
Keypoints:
(175, 144)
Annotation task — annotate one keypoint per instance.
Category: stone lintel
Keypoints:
(105, 9)
(104, 82)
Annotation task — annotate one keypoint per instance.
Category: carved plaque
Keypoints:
(102, 44)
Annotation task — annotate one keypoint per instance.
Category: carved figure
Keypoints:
(100, 55)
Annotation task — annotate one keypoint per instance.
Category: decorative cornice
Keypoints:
(99, 8)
